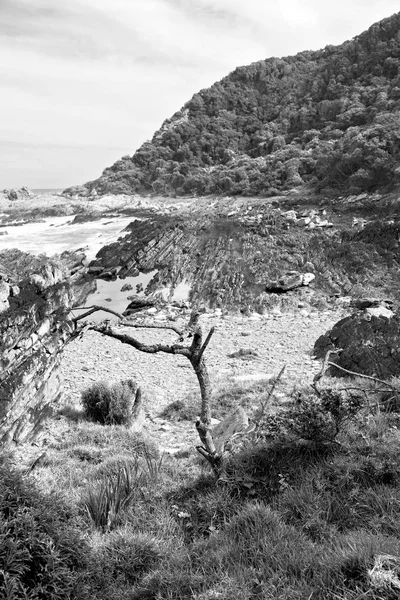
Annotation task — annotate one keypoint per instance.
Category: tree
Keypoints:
(212, 449)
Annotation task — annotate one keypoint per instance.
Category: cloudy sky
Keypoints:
(84, 82)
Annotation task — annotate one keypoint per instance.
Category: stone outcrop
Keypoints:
(366, 342)
(17, 194)
(36, 295)
(289, 281)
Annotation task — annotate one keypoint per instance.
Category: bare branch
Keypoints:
(389, 385)
(204, 346)
(92, 309)
(152, 326)
(377, 404)
(149, 348)
(324, 367)
(268, 398)
(126, 323)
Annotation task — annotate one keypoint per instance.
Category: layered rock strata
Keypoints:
(36, 296)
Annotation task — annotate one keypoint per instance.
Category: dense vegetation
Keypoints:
(309, 507)
(329, 119)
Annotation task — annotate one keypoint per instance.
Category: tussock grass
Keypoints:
(110, 403)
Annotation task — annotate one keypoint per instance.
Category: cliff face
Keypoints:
(35, 299)
(328, 119)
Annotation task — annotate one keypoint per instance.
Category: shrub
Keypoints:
(110, 403)
(182, 410)
(313, 416)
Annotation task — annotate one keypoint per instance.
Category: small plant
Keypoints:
(110, 404)
(107, 499)
(153, 465)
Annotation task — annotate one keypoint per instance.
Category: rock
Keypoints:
(363, 303)
(138, 303)
(379, 311)
(4, 295)
(344, 301)
(244, 353)
(367, 343)
(308, 278)
(33, 330)
(95, 270)
(19, 194)
(309, 267)
(127, 287)
(289, 281)
(303, 221)
(290, 216)
(111, 274)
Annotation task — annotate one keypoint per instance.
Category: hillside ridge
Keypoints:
(321, 120)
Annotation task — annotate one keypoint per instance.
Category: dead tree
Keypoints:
(193, 352)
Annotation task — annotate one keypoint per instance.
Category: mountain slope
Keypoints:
(328, 119)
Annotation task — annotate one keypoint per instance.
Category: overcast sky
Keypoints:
(84, 82)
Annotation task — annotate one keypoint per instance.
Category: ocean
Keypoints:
(47, 191)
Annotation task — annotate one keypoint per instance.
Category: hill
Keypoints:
(329, 119)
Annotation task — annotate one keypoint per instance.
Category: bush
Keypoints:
(315, 417)
(110, 404)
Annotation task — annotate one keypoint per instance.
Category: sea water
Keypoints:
(54, 235)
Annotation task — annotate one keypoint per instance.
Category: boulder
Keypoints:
(289, 281)
(19, 194)
(367, 342)
(138, 303)
(127, 287)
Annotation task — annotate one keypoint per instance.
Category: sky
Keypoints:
(84, 82)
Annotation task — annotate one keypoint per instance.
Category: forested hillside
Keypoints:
(329, 119)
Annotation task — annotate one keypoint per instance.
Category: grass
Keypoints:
(292, 519)
(227, 397)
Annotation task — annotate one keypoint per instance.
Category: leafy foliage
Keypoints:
(330, 119)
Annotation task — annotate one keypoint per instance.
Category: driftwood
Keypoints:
(193, 352)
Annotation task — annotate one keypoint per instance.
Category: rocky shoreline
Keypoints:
(272, 274)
